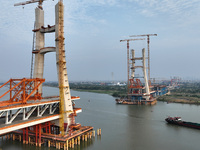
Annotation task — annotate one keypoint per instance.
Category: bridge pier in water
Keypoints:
(40, 134)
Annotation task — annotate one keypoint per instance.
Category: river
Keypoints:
(128, 127)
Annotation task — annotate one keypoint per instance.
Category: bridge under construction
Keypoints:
(26, 115)
(139, 93)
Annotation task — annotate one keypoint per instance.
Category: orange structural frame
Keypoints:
(135, 84)
(22, 90)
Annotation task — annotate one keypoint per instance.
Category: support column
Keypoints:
(20, 138)
(13, 137)
(79, 140)
(39, 140)
(73, 143)
(93, 133)
(49, 143)
(36, 135)
(26, 135)
(67, 144)
(82, 137)
(145, 75)
(39, 43)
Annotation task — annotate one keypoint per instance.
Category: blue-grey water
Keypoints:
(128, 127)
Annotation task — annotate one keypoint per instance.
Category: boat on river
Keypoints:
(180, 122)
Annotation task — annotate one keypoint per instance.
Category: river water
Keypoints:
(129, 127)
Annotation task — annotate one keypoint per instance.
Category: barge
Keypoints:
(178, 121)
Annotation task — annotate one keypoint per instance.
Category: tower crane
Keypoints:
(148, 41)
(29, 2)
(128, 59)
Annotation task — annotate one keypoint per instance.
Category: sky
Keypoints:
(93, 30)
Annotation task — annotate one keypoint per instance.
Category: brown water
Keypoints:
(129, 127)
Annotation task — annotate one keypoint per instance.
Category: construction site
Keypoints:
(138, 92)
(29, 117)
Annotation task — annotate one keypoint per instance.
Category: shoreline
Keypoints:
(181, 100)
(165, 98)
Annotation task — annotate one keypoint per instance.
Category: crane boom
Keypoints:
(132, 39)
(29, 2)
(143, 35)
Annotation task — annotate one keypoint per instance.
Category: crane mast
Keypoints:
(148, 41)
(128, 58)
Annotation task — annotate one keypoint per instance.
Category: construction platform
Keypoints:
(136, 102)
(33, 123)
(19, 116)
(49, 135)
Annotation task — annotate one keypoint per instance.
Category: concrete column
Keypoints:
(58, 145)
(73, 143)
(90, 134)
(82, 137)
(39, 43)
(64, 146)
(67, 144)
(93, 133)
(79, 140)
(49, 143)
(145, 75)
(70, 144)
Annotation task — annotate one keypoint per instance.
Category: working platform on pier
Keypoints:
(34, 112)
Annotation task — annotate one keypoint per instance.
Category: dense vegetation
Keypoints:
(114, 90)
(186, 93)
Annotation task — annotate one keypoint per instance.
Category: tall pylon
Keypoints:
(65, 97)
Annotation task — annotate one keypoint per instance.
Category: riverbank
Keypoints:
(173, 98)
(187, 93)
(180, 99)
(113, 90)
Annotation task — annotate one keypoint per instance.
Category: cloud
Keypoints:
(178, 8)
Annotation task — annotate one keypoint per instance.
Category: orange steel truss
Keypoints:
(135, 84)
(22, 90)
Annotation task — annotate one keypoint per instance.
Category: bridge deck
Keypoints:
(34, 119)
